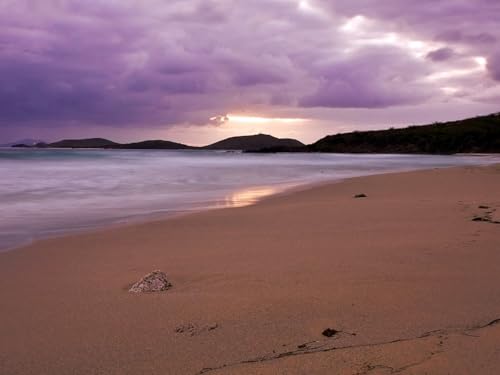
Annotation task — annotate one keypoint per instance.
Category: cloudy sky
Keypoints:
(199, 70)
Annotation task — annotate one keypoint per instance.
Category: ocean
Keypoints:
(48, 192)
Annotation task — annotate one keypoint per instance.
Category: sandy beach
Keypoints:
(405, 277)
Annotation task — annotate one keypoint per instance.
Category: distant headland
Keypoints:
(474, 135)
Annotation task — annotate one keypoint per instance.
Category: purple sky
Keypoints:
(199, 70)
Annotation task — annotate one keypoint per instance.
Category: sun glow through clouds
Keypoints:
(449, 90)
(353, 24)
(481, 63)
(367, 32)
(230, 118)
(304, 5)
(261, 120)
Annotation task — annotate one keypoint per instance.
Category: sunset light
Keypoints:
(262, 120)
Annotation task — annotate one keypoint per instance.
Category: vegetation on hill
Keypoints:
(253, 142)
(82, 143)
(151, 145)
(480, 134)
(474, 135)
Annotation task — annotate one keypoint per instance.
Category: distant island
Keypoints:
(157, 144)
(81, 143)
(28, 142)
(253, 142)
(474, 135)
(243, 143)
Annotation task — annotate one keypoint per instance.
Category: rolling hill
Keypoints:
(82, 143)
(253, 142)
(151, 145)
(474, 135)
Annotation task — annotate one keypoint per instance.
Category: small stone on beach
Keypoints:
(329, 332)
(212, 326)
(481, 218)
(155, 281)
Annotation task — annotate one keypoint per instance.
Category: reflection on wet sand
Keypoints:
(246, 197)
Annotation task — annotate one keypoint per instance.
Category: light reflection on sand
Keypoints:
(246, 197)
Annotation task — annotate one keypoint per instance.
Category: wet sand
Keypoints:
(406, 276)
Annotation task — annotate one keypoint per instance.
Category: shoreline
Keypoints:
(169, 215)
(404, 276)
(153, 217)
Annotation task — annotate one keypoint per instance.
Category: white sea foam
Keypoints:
(47, 192)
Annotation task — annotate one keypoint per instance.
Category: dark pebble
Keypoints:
(329, 332)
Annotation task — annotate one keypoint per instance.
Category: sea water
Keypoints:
(47, 192)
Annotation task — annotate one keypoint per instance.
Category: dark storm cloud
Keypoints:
(374, 78)
(494, 66)
(441, 54)
(458, 36)
(131, 62)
